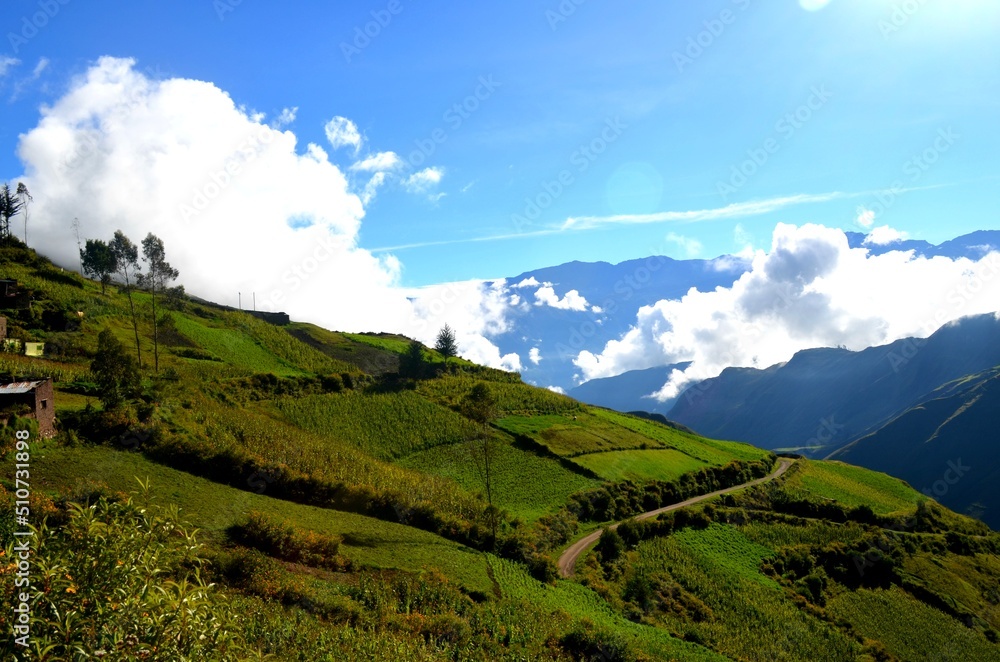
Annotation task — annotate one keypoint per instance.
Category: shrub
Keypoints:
(289, 543)
(124, 581)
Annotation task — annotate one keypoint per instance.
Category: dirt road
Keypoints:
(567, 562)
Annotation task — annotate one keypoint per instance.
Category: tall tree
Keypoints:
(480, 406)
(98, 261)
(446, 344)
(158, 276)
(9, 207)
(24, 197)
(412, 364)
(114, 371)
(127, 263)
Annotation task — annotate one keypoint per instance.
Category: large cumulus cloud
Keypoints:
(240, 205)
(810, 290)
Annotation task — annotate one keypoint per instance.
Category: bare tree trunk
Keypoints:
(135, 322)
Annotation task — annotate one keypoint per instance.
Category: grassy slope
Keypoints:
(854, 486)
(576, 600)
(213, 507)
(640, 465)
(752, 618)
(525, 484)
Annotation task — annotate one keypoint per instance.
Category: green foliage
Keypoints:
(289, 543)
(909, 629)
(413, 365)
(384, 425)
(115, 371)
(511, 397)
(610, 546)
(617, 501)
(709, 451)
(98, 261)
(123, 580)
(639, 465)
(367, 541)
(446, 345)
(853, 486)
(550, 486)
(234, 347)
(479, 405)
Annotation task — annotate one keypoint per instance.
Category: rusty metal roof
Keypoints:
(16, 388)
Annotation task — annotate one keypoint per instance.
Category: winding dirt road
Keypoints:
(567, 562)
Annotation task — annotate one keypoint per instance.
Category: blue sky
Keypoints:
(833, 103)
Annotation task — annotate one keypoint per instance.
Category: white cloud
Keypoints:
(734, 210)
(546, 296)
(535, 355)
(238, 207)
(884, 235)
(557, 389)
(43, 64)
(285, 118)
(810, 290)
(380, 162)
(866, 217)
(529, 282)
(372, 187)
(743, 238)
(342, 132)
(423, 180)
(691, 247)
(6, 63)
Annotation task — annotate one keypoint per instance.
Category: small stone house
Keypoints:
(34, 398)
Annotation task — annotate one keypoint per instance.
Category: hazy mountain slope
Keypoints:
(618, 291)
(620, 392)
(948, 446)
(825, 398)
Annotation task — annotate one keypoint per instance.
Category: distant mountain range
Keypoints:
(926, 411)
(618, 291)
(823, 399)
(620, 392)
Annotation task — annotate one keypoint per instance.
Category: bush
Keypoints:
(289, 543)
(123, 580)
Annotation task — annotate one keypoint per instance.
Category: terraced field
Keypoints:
(853, 486)
(663, 464)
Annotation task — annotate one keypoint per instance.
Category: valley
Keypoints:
(347, 511)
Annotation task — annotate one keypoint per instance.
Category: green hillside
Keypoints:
(945, 445)
(306, 501)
